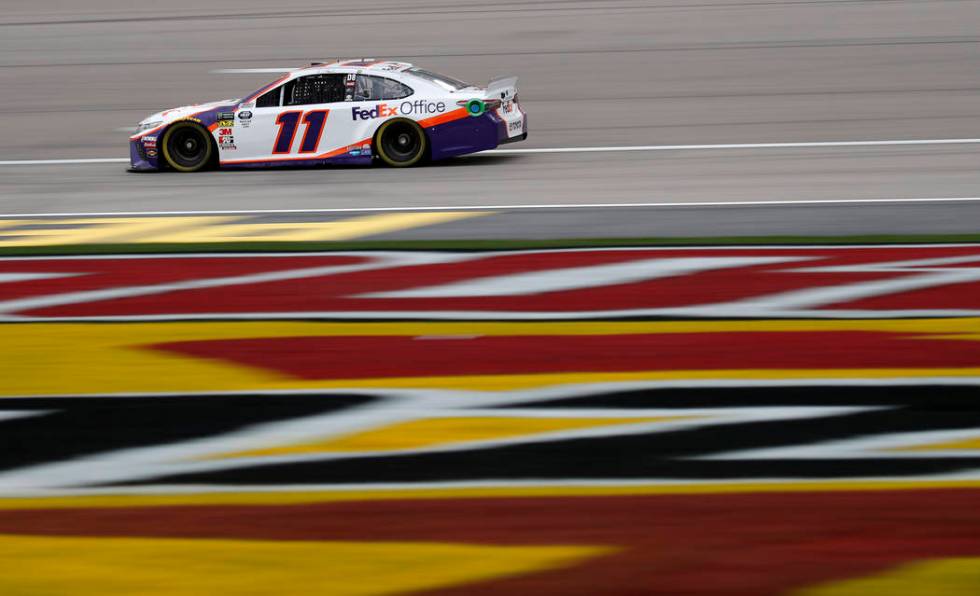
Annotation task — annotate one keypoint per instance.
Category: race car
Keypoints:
(340, 112)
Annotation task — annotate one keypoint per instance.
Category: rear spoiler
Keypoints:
(504, 88)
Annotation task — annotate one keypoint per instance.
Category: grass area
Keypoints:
(477, 245)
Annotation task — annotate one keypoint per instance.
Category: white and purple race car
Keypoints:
(344, 112)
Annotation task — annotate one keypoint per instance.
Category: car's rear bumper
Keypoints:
(473, 134)
(512, 126)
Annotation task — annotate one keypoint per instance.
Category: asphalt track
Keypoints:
(616, 73)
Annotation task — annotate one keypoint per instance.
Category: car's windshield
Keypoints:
(448, 83)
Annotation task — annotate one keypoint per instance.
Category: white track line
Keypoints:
(734, 146)
(802, 145)
(506, 207)
(51, 162)
(253, 70)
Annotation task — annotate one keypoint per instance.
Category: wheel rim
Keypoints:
(401, 142)
(187, 147)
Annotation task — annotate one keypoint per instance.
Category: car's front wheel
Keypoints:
(187, 147)
(401, 143)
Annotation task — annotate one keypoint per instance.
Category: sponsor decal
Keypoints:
(149, 142)
(350, 83)
(244, 115)
(421, 106)
(382, 110)
(516, 126)
(418, 107)
(226, 140)
(151, 152)
(225, 116)
(355, 150)
(226, 123)
(475, 107)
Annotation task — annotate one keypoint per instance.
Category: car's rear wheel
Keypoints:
(401, 143)
(187, 147)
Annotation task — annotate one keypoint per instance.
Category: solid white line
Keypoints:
(252, 70)
(800, 145)
(504, 207)
(47, 162)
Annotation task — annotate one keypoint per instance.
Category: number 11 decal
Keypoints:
(287, 121)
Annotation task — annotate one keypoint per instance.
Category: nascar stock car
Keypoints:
(344, 112)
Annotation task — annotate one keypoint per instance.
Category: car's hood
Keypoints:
(206, 112)
(174, 114)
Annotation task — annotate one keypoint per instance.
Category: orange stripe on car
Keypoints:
(452, 116)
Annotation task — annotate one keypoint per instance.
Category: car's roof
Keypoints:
(357, 64)
(345, 66)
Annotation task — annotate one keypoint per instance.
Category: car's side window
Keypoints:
(270, 99)
(371, 88)
(314, 89)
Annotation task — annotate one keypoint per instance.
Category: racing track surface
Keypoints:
(614, 73)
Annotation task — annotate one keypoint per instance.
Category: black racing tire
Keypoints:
(187, 147)
(401, 143)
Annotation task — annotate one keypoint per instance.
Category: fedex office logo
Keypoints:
(382, 110)
(419, 107)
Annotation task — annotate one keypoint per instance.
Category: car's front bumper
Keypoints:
(143, 156)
